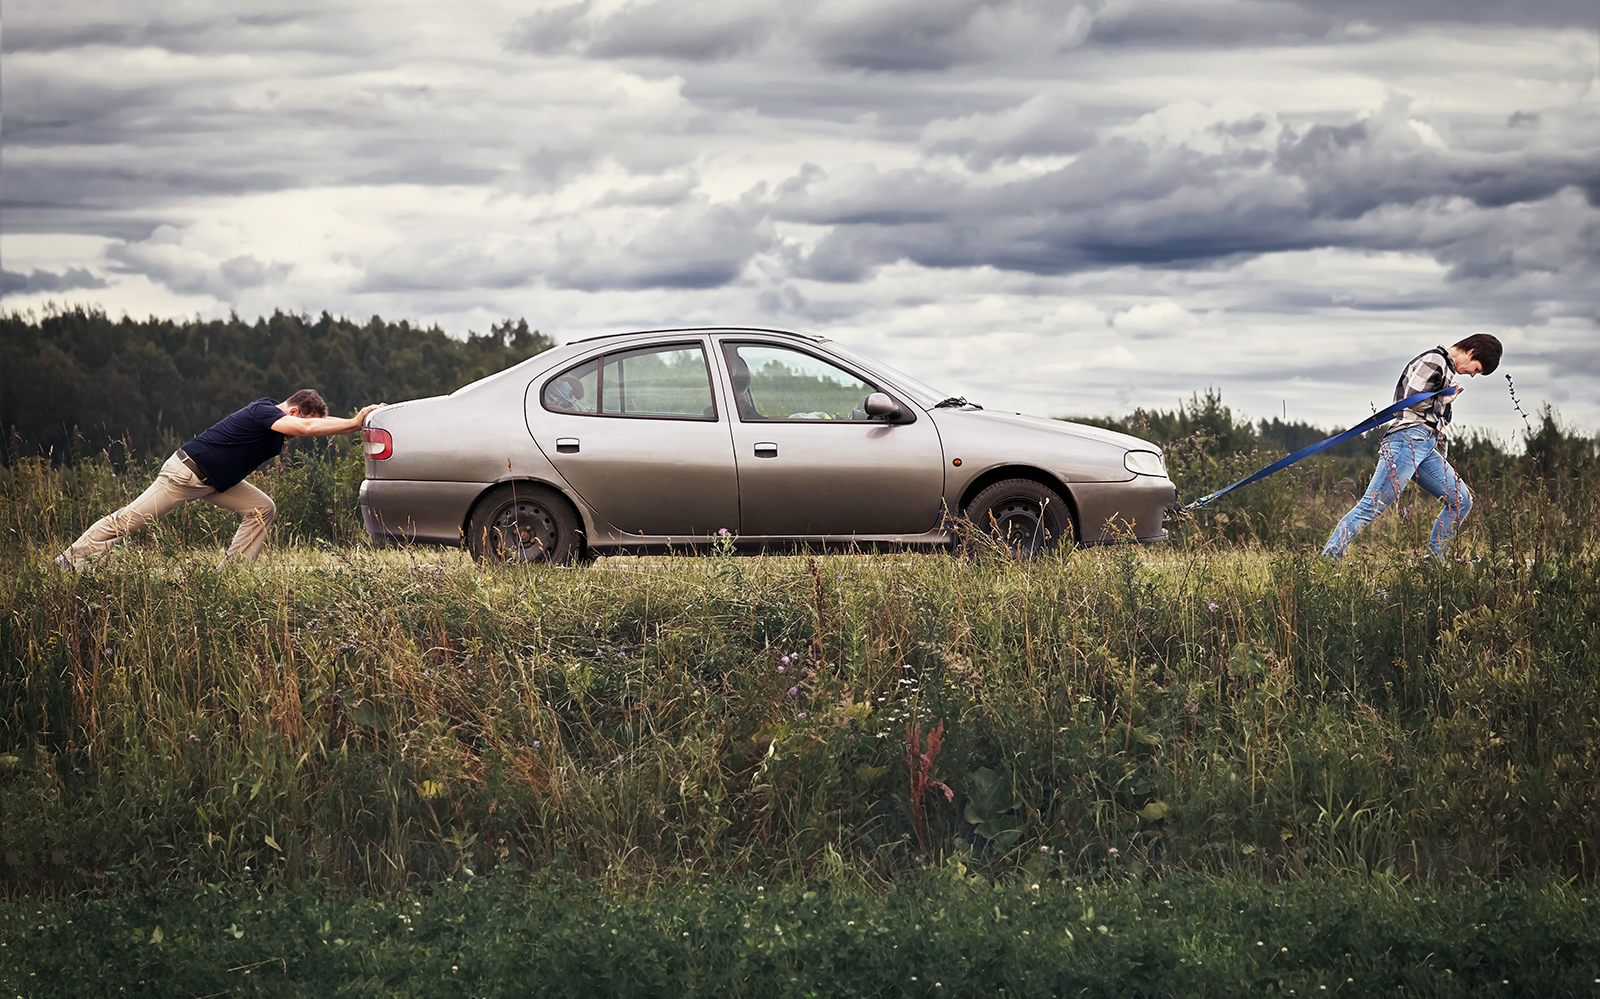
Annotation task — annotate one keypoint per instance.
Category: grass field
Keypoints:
(1399, 753)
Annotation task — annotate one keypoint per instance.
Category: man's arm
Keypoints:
(323, 426)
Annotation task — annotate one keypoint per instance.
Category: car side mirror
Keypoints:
(879, 406)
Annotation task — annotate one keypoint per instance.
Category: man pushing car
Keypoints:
(213, 467)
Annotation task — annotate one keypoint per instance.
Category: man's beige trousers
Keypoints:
(174, 486)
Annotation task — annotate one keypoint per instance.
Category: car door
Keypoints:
(812, 463)
(637, 432)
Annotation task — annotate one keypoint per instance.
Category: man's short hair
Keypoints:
(310, 403)
(1485, 349)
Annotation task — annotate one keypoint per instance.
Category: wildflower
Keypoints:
(794, 691)
(781, 669)
(1212, 607)
(785, 660)
(536, 744)
(193, 737)
(77, 772)
(1111, 851)
(801, 716)
(722, 532)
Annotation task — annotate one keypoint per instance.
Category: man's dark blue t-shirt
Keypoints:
(236, 444)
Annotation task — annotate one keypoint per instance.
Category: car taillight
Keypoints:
(378, 443)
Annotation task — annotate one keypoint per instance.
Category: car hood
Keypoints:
(1126, 442)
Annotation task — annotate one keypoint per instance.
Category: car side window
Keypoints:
(777, 383)
(668, 381)
(574, 390)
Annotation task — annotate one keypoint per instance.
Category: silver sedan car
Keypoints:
(676, 439)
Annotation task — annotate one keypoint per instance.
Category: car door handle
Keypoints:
(766, 450)
(566, 445)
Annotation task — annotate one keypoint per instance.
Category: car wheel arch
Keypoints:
(1002, 472)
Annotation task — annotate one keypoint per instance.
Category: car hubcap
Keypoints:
(524, 532)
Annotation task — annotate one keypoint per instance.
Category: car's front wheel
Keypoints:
(518, 522)
(1023, 516)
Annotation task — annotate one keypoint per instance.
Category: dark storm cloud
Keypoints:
(905, 36)
(694, 245)
(1545, 13)
(1046, 125)
(666, 29)
(1178, 24)
(271, 27)
(1171, 24)
(162, 261)
(929, 36)
(1366, 185)
(77, 196)
(881, 105)
(46, 112)
(12, 283)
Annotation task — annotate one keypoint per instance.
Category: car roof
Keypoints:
(701, 329)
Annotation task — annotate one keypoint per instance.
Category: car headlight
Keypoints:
(1145, 463)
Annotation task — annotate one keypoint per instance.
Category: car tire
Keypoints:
(1024, 517)
(521, 522)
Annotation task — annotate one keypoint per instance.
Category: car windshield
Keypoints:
(921, 392)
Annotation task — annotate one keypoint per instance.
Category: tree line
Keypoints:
(75, 381)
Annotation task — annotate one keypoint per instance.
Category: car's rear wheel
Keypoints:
(518, 522)
(1024, 517)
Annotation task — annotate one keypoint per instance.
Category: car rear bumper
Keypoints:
(413, 510)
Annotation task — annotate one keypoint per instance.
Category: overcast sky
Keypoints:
(1054, 207)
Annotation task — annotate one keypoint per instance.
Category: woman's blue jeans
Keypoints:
(1407, 454)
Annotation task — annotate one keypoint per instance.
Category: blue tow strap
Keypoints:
(1380, 417)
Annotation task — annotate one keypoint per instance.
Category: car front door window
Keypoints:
(776, 383)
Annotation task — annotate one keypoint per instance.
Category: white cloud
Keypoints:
(1155, 318)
